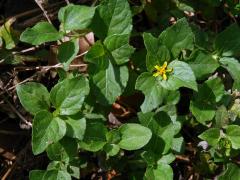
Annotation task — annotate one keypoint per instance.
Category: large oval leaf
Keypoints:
(134, 136)
(68, 95)
(33, 96)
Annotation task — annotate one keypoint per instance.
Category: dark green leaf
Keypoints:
(68, 95)
(33, 96)
(112, 17)
(67, 52)
(162, 172)
(76, 127)
(46, 130)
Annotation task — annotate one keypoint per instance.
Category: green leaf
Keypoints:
(178, 37)
(40, 33)
(112, 17)
(227, 42)
(233, 133)
(76, 17)
(178, 145)
(64, 150)
(76, 127)
(111, 149)
(202, 64)
(46, 130)
(203, 112)
(162, 172)
(154, 93)
(95, 136)
(134, 136)
(110, 83)
(232, 172)
(182, 76)
(119, 47)
(216, 87)
(68, 95)
(157, 54)
(211, 135)
(67, 52)
(34, 97)
(162, 128)
(8, 34)
(233, 67)
(221, 118)
(166, 159)
(49, 175)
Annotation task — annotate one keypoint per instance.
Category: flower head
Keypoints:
(162, 70)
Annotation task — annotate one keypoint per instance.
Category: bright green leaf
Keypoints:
(76, 17)
(211, 135)
(76, 127)
(232, 172)
(178, 37)
(134, 136)
(46, 130)
(40, 33)
(119, 47)
(162, 172)
(68, 95)
(49, 175)
(202, 64)
(33, 96)
(112, 17)
(233, 133)
(182, 76)
(154, 93)
(111, 149)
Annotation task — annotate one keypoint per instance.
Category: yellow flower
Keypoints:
(162, 70)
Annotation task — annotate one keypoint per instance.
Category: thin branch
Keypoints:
(67, 1)
(18, 113)
(44, 11)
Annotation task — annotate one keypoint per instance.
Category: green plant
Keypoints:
(71, 119)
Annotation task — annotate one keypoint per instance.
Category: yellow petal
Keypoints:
(169, 70)
(164, 77)
(164, 65)
(157, 67)
(156, 74)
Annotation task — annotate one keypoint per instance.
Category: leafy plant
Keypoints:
(72, 118)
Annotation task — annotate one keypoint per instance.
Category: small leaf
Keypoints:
(68, 95)
(67, 52)
(233, 133)
(182, 76)
(211, 135)
(162, 172)
(227, 42)
(76, 127)
(49, 175)
(76, 17)
(8, 34)
(64, 150)
(222, 118)
(202, 64)
(42, 32)
(134, 136)
(157, 53)
(34, 97)
(231, 172)
(46, 130)
(154, 93)
(233, 67)
(95, 136)
(119, 47)
(178, 37)
(111, 149)
(112, 17)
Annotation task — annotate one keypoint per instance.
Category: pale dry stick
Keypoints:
(44, 11)
(18, 113)
(67, 1)
(32, 11)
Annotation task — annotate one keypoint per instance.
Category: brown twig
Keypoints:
(44, 11)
